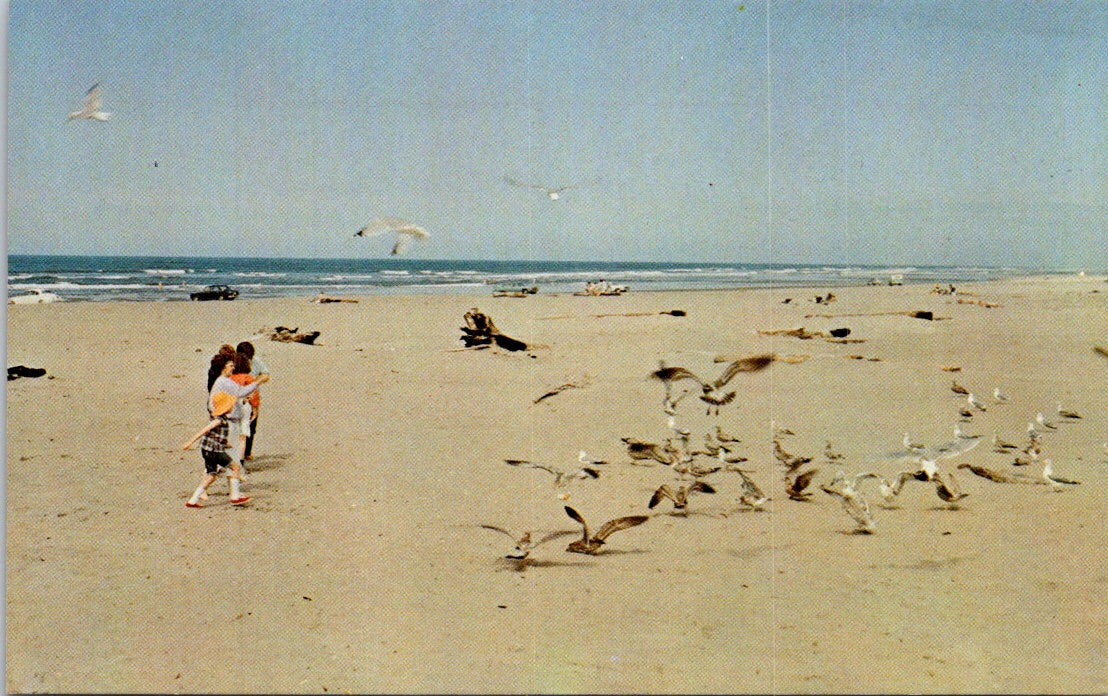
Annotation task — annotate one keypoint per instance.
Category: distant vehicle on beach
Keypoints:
(34, 296)
(215, 292)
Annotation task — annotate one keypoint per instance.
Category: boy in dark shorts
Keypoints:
(213, 447)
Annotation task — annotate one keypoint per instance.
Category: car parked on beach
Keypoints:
(215, 292)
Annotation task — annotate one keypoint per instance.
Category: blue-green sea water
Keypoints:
(157, 278)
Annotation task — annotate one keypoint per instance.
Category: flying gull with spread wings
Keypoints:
(91, 108)
(405, 232)
(552, 192)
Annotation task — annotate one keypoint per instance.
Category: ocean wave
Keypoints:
(82, 287)
(167, 271)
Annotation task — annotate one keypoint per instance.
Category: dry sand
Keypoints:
(360, 565)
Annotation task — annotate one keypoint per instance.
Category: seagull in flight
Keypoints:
(405, 232)
(561, 476)
(551, 193)
(91, 109)
(591, 545)
(523, 542)
(712, 390)
(680, 496)
(855, 506)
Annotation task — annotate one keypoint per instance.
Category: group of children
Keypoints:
(233, 380)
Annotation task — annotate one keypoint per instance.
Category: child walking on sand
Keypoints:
(214, 437)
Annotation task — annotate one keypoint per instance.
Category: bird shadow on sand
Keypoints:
(521, 565)
(621, 552)
(677, 514)
(926, 563)
(753, 552)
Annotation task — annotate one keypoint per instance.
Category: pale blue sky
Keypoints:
(792, 132)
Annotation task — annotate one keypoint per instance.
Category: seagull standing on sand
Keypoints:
(997, 476)
(909, 444)
(1002, 445)
(91, 109)
(586, 460)
(1055, 482)
(958, 388)
(1041, 420)
(405, 232)
(752, 496)
(975, 402)
(1000, 396)
(961, 434)
(1067, 414)
(1034, 434)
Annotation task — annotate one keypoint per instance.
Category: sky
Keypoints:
(907, 133)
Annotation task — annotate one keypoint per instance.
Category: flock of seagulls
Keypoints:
(677, 453)
(687, 461)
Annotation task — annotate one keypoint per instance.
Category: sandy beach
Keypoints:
(360, 565)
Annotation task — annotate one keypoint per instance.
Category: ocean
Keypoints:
(171, 279)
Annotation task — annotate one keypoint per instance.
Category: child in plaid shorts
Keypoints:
(214, 444)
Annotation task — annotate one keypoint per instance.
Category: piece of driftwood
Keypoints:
(979, 303)
(480, 330)
(522, 292)
(799, 332)
(915, 314)
(804, 335)
(324, 299)
(558, 390)
(287, 335)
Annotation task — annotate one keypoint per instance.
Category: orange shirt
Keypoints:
(245, 378)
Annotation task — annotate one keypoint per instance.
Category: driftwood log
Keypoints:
(287, 335)
(480, 331)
